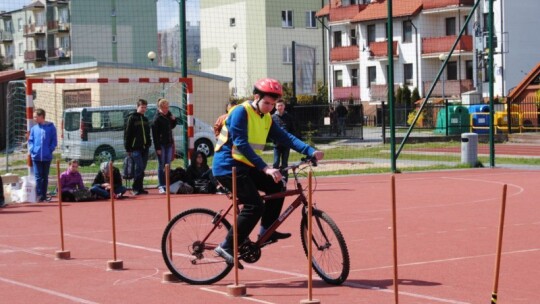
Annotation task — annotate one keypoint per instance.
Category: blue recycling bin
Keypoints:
(480, 120)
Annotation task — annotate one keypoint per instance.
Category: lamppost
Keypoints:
(235, 45)
(151, 55)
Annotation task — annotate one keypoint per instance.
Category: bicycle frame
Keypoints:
(300, 199)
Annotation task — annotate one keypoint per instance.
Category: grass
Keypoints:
(366, 154)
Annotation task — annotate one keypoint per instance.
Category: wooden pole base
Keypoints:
(62, 255)
(115, 265)
(168, 277)
(236, 290)
(313, 301)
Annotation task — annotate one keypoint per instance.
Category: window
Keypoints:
(287, 54)
(371, 33)
(372, 75)
(311, 22)
(20, 24)
(354, 77)
(337, 39)
(468, 28)
(286, 19)
(469, 69)
(451, 70)
(408, 74)
(407, 31)
(353, 37)
(338, 79)
(114, 39)
(233, 56)
(451, 26)
(21, 49)
(232, 22)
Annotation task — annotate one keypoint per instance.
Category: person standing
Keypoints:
(221, 119)
(341, 113)
(137, 142)
(286, 122)
(2, 201)
(162, 133)
(41, 144)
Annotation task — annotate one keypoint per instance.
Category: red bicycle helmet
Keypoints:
(268, 86)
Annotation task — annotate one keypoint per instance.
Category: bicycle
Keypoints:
(190, 238)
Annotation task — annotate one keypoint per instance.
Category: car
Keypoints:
(96, 134)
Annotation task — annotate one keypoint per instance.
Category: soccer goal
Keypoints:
(89, 113)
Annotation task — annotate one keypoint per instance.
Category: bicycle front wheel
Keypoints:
(330, 256)
(188, 246)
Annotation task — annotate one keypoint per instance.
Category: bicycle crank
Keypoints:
(249, 252)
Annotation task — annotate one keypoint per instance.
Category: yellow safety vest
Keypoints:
(258, 129)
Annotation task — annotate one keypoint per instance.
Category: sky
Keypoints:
(167, 10)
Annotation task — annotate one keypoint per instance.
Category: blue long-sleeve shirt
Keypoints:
(42, 141)
(237, 123)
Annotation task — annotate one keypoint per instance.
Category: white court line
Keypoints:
(48, 291)
(242, 298)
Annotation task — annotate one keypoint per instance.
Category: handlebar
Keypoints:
(312, 161)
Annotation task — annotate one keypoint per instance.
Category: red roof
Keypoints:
(378, 10)
(10, 75)
(533, 74)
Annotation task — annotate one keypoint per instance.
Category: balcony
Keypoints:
(58, 54)
(345, 53)
(346, 93)
(37, 55)
(58, 26)
(380, 91)
(6, 36)
(438, 45)
(33, 30)
(433, 4)
(379, 50)
(452, 88)
(8, 60)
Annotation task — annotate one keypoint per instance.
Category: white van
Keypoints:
(95, 134)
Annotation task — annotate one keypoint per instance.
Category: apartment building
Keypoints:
(57, 32)
(424, 32)
(248, 40)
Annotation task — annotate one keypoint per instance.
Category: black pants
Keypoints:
(248, 185)
(1, 192)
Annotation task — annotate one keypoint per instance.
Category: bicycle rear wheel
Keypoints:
(186, 255)
(330, 254)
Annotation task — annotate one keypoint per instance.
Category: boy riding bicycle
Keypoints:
(240, 144)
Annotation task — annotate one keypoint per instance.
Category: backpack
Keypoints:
(128, 168)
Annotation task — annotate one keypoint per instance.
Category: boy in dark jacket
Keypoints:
(137, 141)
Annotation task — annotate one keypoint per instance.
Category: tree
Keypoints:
(399, 96)
(2, 66)
(415, 96)
(406, 96)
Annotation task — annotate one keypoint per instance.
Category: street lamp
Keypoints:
(235, 45)
(151, 55)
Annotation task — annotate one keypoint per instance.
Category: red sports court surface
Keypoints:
(447, 239)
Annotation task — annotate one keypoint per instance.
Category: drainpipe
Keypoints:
(416, 57)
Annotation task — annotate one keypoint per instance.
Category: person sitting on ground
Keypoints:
(101, 186)
(71, 181)
(199, 171)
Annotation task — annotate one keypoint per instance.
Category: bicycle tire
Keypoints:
(184, 260)
(330, 264)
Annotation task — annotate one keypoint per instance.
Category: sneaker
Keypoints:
(277, 236)
(143, 192)
(227, 256)
(162, 190)
(3, 204)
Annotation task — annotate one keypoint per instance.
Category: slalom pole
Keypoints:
(310, 299)
(60, 254)
(394, 240)
(167, 276)
(499, 247)
(114, 264)
(235, 290)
